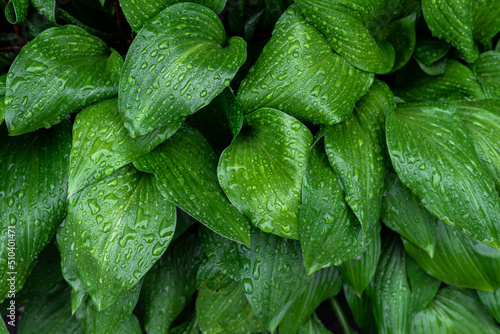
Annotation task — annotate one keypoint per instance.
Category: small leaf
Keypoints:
(185, 169)
(298, 73)
(429, 51)
(179, 62)
(102, 144)
(432, 153)
(487, 70)
(261, 171)
(16, 10)
(313, 326)
(56, 74)
(492, 302)
(47, 8)
(106, 241)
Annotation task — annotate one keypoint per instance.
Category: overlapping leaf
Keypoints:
(47, 8)
(430, 53)
(59, 72)
(492, 302)
(313, 326)
(361, 308)
(487, 70)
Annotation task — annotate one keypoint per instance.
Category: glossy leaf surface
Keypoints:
(492, 302)
(487, 70)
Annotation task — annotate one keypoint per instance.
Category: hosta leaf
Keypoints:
(102, 144)
(485, 19)
(454, 310)
(33, 183)
(403, 213)
(121, 227)
(423, 286)
(361, 308)
(138, 12)
(492, 302)
(323, 284)
(130, 326)
(47, 8)
(356, 151)
(429, 55)
(185, 169)
(16, 10)
(401, 35)
(261, 171)
(188, 327)
(359, 272)
(452, 21)
(313, 326)
(168, 286)
(487, 70)
(59, 72)
(298, 73)
(179, 62)
(459, 260)
(433, 155)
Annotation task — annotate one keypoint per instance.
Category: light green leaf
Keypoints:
(185, 169)
(454, 310)
(401, 35)
(16, 10)
(33, 183)
(492, 302)
(169, 285)
(487, 70)
(432, 152)
(102, 144)
(47, 8)
(120, 227)
(403, 213)
(485, 19)
(179, 62)
(459, 260)
(58, 73)
(261, 171)
(298, 73)
(313, 326)
(138, 12)
(429, 55)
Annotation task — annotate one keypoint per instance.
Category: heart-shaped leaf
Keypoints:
(102, 144)
(185, 169)
(179, 62)
(261, 171)
(107, 242)
(487, 70)
(432, 153)
(492, 302)
(58, 73)
(298, 73)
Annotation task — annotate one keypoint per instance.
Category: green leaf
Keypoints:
(454, 310)
(130, 326)
(121, 227)
(58, 73)
(401, 35)
(313, 326)
(432, 153)
(50, 315)
(169, 285)
(429, 51)
(492, 302)
(3, 328)
(33, 183)
(16, 10)
(298, 73)
(485, 19)
(102, 144)
(139, 12)
(323, 284)
(403, 213)
(179, 62)
(189, 327)
(47, 8)
(3, 84)
(185, 169)
(423, 286)
(452, 21)
(459, 260)
(2, 109)
(487, 70)
(261, 171)
(361, 308)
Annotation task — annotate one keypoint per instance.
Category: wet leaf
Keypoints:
(401, 35)
(492, 302)
(429, 54)
(487, 70)
(423, 286)
(485, 19)
(361, 308)
(47, 8)
(16, 10)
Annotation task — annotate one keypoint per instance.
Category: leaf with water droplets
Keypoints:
(47, 8)
(56, 74)
(487, 70)
(432, 152)
(261, 171)
(185, 169)
(298, 73)
(33, 188)
(16, 11)
(423, 286)
(485, 19)
(169, 285)
(102, 144)
(313, 326)
(138, 12)
(120, 228)
(459, 260)
(430, 53)
(492, 302)
(403, 213)
(179, 62)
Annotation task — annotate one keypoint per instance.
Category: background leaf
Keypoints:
(487, 70)
(492, 301)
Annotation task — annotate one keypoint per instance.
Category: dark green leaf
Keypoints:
(401, 35)
(189, 327)
(361, 308)
(423, 286)
(179, 62)
(16, 10)
(485, 19)
(3, 84)
(185, 169)
(59, 72)
(492, 302)
(261, 171)
(313, 326)
(432, 152)
(298, 73)
(102, 144)
(487, 70)
(429, 51)
(47, 8)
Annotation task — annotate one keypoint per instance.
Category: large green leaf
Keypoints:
(16, 10)
(138, 12)
(33, 183)
(492, 302)
(433, 155)
(179, 62)
(403, 213)
(459, 260)
(102, 144)
(487, 70)
(120, 227)
(59, 72)
(185, 169)
(298, 73)
(454, 310)
(168, 286)
(261, 171)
